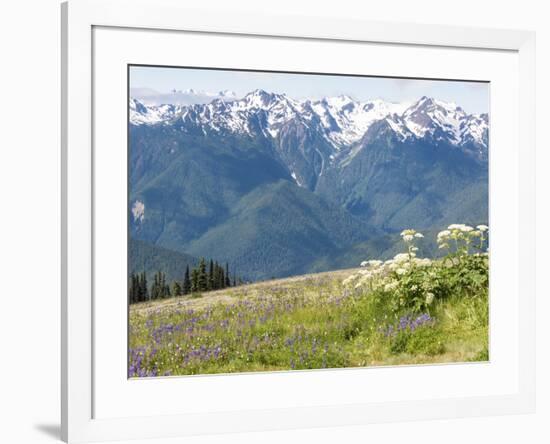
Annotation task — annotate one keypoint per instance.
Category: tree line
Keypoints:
(199, 279)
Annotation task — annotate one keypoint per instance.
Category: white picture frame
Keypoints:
(80, 379)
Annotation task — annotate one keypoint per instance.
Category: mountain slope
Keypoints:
(150, 258)
(187, 185)
(279, 186)
(279, 229)
(394, 181)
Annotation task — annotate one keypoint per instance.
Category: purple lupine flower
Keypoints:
(407, 323)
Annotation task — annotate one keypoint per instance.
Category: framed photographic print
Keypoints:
(274, 224)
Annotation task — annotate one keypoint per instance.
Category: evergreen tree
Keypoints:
(164, 290)
(227, 278)
(155, 286)
(186, 282)
(202, 282)
(160, 289)
(195, 280)
(176, 288)
(220, 279)
(132, 289)
(210, 283)
(143, 293)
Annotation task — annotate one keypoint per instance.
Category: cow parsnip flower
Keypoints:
(429, 298)
(390, 286)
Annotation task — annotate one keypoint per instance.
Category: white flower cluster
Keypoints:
(463, 236)
(387, 275)
(409, 235)
(381, 274)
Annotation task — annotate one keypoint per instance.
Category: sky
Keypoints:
(155, 85)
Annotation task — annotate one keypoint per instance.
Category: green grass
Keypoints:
(306, 322)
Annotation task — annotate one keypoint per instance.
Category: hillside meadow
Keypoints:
(406, 310)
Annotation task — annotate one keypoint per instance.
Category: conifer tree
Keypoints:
(210, 283)
(164, 290)
(220, 279)
(143, 293)
(132, 288)
(195, 280)
(227, 278)
(186, 282)
(202, 276)
(176, 289)
(155, 286)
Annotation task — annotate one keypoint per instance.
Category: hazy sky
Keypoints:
(157, 82)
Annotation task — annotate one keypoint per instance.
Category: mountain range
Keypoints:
(278, 186)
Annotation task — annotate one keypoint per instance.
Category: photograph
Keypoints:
(285, 221)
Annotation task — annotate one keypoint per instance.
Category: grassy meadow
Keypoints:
(403, 311)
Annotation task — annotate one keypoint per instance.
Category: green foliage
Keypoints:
(424, 340)
(176, 289)
(403, 311)
(160, 289)
(195, 281)
(137, 288)
(409, 283)
(186, 288)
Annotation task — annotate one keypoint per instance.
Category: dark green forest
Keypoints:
(206, 276)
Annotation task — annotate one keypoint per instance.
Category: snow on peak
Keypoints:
(437, 119)
(142, 114)
(341, 120)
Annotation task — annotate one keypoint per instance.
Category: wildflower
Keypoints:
(460, 227)
(424, 262)
(401, 271)
(349, 279)
(375, 263)
(408, 237)
(455, 226)
(390, 286)
(429, 298)
(419, 235)
(401, 257)
(482, 228)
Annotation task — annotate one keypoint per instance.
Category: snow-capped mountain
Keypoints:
(442, 120)
(141, 114)
(341, 120)
(311, 181)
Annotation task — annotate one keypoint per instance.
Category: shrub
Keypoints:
(408, 282)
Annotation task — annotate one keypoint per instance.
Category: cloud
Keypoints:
(188, 97)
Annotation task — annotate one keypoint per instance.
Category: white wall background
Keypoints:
(29, 219)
